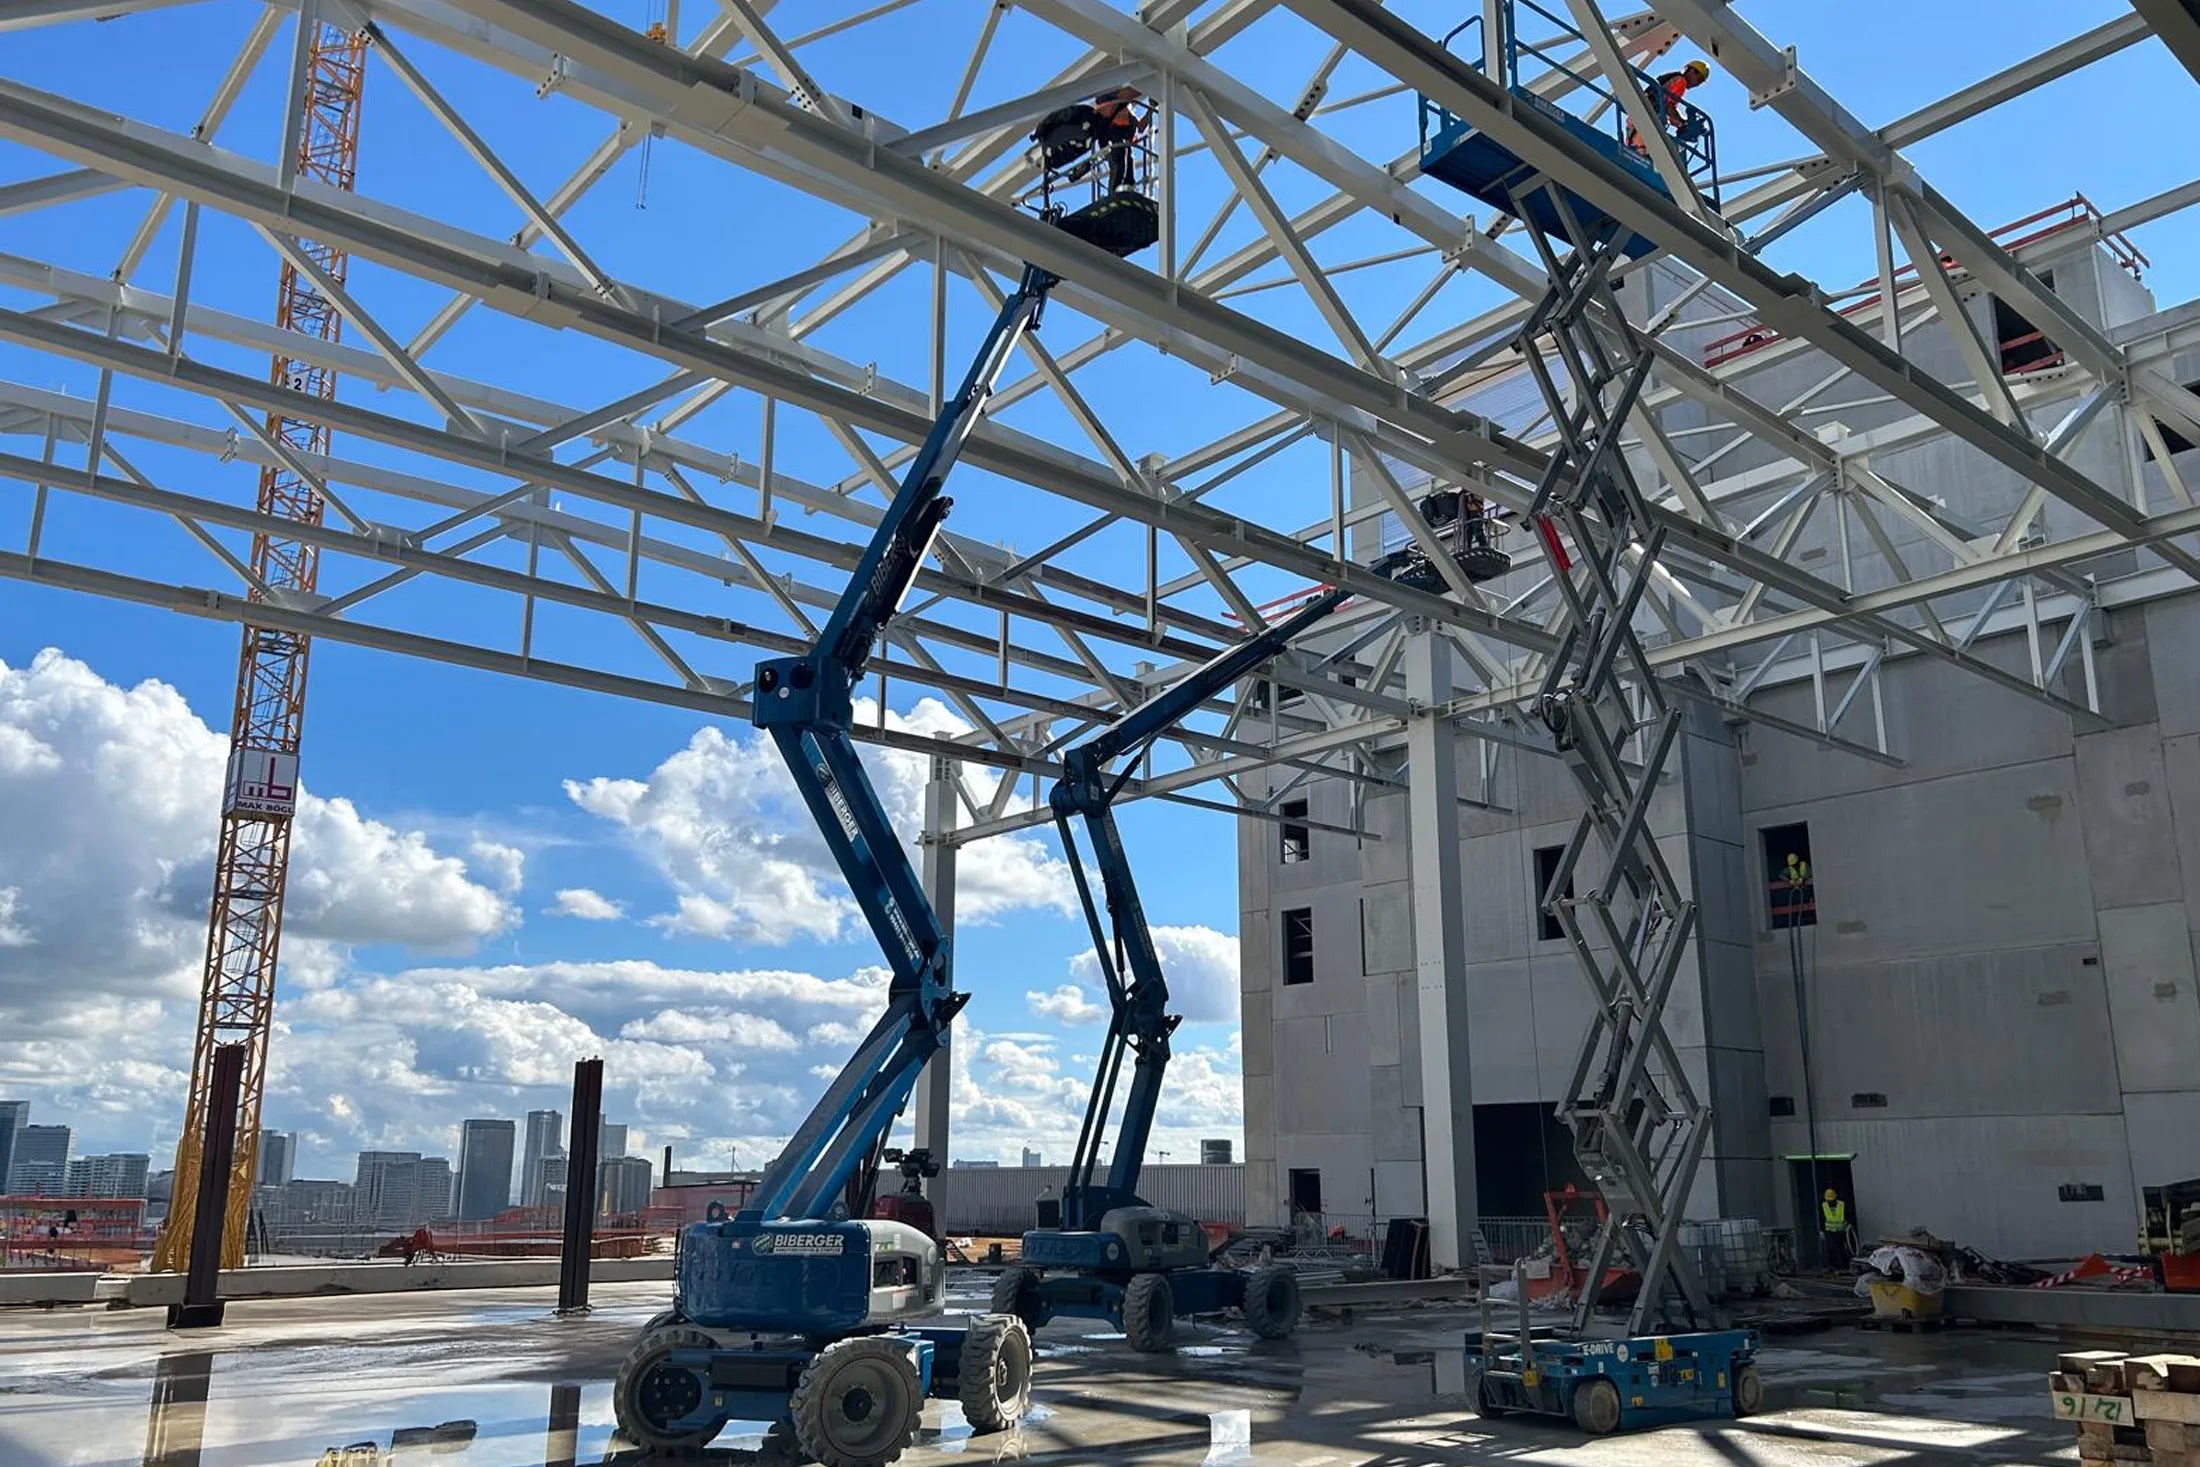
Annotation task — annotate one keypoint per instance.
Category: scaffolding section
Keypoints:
(260, 793)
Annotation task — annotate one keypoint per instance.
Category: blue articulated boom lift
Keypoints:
(798, 1311)
(1114, 1256)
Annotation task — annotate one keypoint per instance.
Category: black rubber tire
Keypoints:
(1016, 1291)
(662, 1319)
(858, 1403)
(1149, 1313)
(642, 1395)
(1272, 1300)
(995, 1384)
(1596, 1406)
(1749, 1391)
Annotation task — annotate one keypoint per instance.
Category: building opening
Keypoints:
(1298, 945)
(2024, 347)
(1521, 1151)
(1791, 894)
(1809, 1179)
(1298, 839)
(1306, 1191)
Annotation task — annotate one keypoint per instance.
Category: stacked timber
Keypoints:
(2130, 1408)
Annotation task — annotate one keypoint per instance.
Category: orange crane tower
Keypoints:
(259, 797)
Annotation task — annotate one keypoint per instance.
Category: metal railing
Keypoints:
(1692, 133)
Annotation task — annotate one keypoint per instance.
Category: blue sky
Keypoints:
(466, 765)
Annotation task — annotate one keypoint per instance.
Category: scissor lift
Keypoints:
(1638, 1127)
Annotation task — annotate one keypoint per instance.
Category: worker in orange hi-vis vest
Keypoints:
(1665, 94)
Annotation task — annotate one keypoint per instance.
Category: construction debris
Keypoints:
(2130, 1408)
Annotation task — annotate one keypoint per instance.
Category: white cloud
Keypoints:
(123, 787)
(586, 904)
(1200, 964)
(502, 863)
(1067, 1004)
(722, 821)
(1014, 1093)
(103, 914)
(10, 934)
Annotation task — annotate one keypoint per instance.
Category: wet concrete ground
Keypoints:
(484, 1380)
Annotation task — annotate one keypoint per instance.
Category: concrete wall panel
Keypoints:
(1994, 859)
(2146, 954)
(2130, 836)
(1988, 1181)
(1504, 1068)
(2165, 1137)
(1497, 873)
(2023, 1032)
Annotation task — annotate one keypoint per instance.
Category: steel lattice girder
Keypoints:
(631, 94)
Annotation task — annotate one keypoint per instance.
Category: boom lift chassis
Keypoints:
(1114, 1256)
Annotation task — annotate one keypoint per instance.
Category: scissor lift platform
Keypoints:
(1469, 159)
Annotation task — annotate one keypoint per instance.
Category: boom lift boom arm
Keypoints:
(806, 704)
(1138, 993)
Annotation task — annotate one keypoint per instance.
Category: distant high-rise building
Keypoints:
(1215, 1152)
(484, 1168)
(610, 1140)
(119, 1175)
(305, 1203)
(41, 1165)
(387, 1188)
(433, 1190)
(1033, 1158)
(962, 1164)
(544, 1183)
(14, 1115)
(278, 1157)
(545, 1138)
(623, 1185)
(398, 1190)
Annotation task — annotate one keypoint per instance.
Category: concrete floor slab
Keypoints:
(510, 1385)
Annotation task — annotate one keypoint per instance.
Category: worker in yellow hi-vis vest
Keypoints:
(1833, 1218)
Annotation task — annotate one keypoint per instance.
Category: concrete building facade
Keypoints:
(1995, 988)
(122, 1174)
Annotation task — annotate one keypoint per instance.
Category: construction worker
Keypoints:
(1833, 1221)
(1665, 94)
(1796, 873)
(1117, 126)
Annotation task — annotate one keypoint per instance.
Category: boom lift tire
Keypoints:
(1016, 1292)
(1271, 1306)
(647, 1393)
(995, 1384)
(858, 1403)
(1149, 1313)
(1749, 1391)
(1596, 1406)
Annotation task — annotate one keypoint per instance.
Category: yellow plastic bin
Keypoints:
(1900, 1301)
